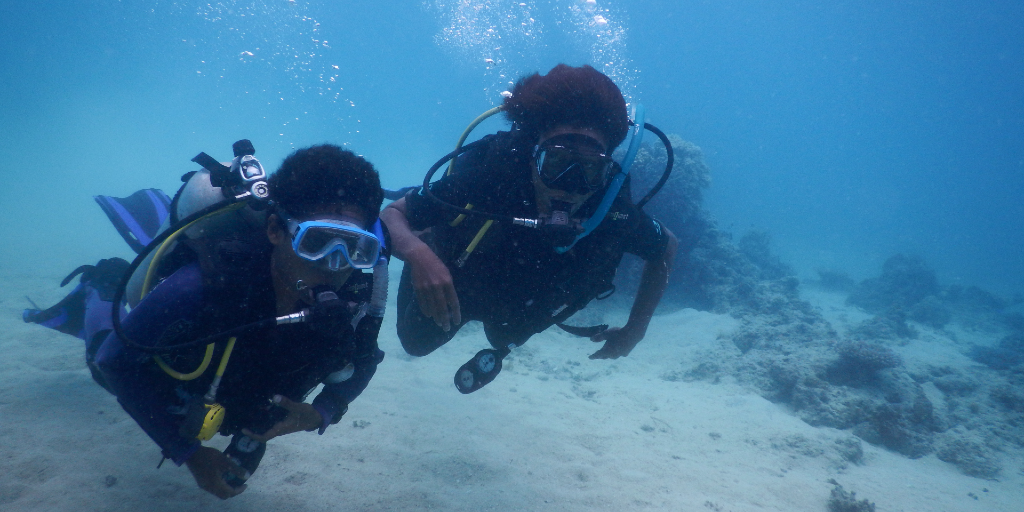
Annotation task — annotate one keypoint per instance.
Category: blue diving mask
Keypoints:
(334, 243)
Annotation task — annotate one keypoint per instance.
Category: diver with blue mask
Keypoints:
(528, 226)
(237, 322)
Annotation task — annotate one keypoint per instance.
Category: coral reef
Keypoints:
(835, 280)
(930, 311)
(859, 361)
(756, 246)
(969, 453)
(890, 325)
(904, 282)
(842, 501)
(1008, 354)
(856, 381)
(706, 259)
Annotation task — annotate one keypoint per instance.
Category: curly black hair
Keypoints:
(578, 96)
(325, 174)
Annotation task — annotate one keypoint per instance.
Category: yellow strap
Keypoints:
(479, 234)
(227, 354)
(479, 119)
(202, 366)
(462, 216)
(187, 376)
(451, 168)
(155, 262)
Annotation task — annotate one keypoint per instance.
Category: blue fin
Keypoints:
(137, 217)
(72, 314)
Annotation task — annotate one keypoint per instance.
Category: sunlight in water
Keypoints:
(283, 36)
(504, 38)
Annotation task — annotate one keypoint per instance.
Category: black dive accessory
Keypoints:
(560, 227)
(245, 174)
(572, 162)
(203, 415)
(328, 309)
(533, 223)
(481, 370)
(247, 453)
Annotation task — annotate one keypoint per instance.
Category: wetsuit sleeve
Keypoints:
(141, 389)
(332, 401)
(457, 188)
(647, 238)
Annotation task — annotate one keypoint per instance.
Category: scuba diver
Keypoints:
(528, 226)
(268, 284)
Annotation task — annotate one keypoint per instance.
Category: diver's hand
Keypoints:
(435, 290)
(618, 342)
(302, 417)
(208, 466)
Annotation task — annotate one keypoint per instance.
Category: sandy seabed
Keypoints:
(555, 431)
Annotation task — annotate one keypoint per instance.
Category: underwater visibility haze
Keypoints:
(849, 131)
(871, 148)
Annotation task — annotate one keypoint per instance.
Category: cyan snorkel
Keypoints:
(636, 136)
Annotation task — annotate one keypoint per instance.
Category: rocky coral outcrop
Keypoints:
(855, 381)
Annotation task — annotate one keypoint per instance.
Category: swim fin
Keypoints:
(137, 217)
(69, 315)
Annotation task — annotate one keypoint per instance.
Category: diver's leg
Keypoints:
(506, 335)
(419, 334)
(86, 311)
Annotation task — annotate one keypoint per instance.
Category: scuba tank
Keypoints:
(220, 210)
(224, 243)
(218, 217)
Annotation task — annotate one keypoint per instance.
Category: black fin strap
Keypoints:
(584, 331)
(74, 273)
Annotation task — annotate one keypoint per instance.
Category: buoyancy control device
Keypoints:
(219, 214)
(486, 364)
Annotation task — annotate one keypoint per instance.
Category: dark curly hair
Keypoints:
(326, 174)
(582, 97)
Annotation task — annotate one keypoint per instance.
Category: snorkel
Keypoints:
(636, 136)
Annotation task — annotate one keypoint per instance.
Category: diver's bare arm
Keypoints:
(403, 240)
(653, 282)
(619, 342)
(435, 290)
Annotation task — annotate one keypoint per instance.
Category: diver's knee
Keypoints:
(417, 350)
(417, 344)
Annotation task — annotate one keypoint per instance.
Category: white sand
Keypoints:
(555, 431)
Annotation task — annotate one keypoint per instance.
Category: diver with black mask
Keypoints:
(528, 226)
(255, 301)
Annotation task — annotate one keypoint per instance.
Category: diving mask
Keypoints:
(333, 243)
(573, 163)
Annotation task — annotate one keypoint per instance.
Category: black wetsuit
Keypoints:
(515, 282)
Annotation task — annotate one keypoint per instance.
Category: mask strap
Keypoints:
(378, 232)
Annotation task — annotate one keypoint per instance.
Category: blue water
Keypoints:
(850, 130)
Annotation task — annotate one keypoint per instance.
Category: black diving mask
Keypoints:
(573, 163)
